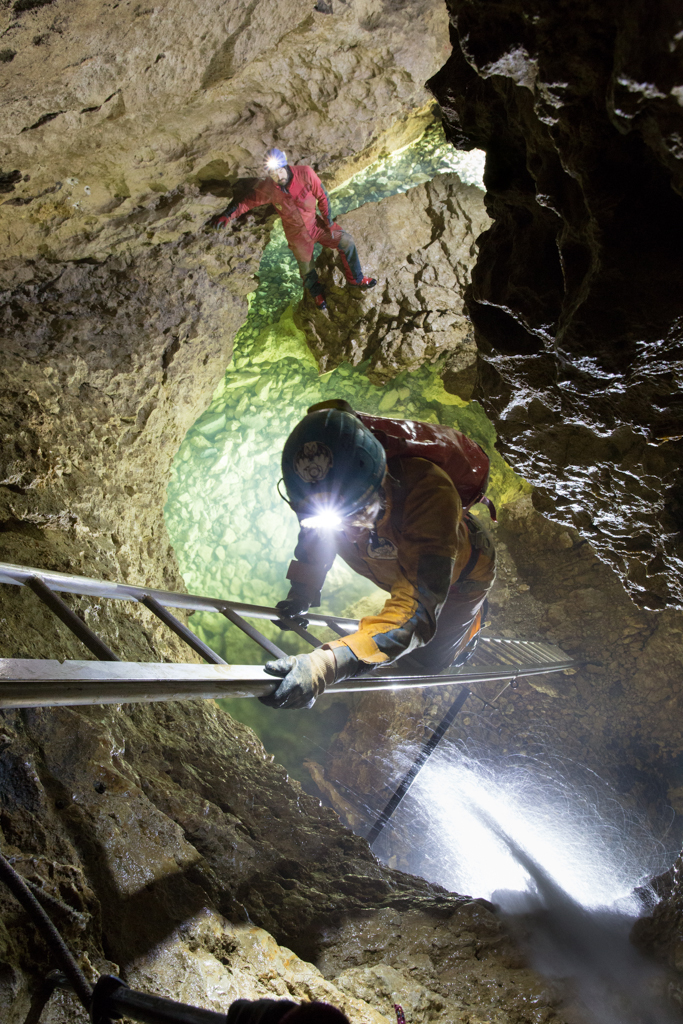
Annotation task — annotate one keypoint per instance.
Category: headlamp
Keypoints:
(272, 163)
(326, 519)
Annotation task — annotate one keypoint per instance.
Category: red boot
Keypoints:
(365, 282)
(320, 301)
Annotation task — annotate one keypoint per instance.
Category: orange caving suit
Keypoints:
(435, 561)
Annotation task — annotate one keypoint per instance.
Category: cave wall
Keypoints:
(118, 309)
(167, 830)
(576, 297)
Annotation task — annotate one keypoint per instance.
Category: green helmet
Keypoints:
(332, 465)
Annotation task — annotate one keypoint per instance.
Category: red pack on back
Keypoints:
(457, 454)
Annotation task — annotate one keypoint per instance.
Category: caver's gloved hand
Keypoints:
(219, 221)
(307, 675)
(283, 1011)
(291, 608)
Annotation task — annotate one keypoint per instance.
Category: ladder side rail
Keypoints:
(85, 586)
(34, 683)
(181, 630)
(71, 620)
(363, 683)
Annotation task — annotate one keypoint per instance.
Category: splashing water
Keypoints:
(559, 857)
(596, 851)
(587, 947)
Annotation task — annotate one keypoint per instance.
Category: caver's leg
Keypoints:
(351, 263)
(309, 276)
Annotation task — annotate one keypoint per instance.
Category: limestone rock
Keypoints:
(113, 117)
(175, 840)
(459, 966)
(210, 962)
(420, 246)
(576, 296)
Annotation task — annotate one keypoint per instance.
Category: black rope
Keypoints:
(53, 901)
(17, 886)
(428, 748)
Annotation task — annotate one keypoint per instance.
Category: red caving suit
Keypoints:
(296, 204)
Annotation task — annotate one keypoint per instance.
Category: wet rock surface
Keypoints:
(420, 247)
(176, 842)
(575, 298)
(618, 714)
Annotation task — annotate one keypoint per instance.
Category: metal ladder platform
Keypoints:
(29, 682)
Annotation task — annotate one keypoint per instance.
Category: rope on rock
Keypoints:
(20, 890)
(44, 896)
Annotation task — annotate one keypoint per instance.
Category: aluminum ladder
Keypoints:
(29, 682)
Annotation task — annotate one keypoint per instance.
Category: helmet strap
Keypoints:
(281, 481)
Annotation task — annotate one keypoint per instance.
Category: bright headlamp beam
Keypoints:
(272, 163)
(323, 521)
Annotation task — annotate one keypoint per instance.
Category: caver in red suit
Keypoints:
(295, 192)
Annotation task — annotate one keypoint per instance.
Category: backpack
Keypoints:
(455, 453)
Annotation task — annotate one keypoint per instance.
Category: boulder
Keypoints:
(420, 247)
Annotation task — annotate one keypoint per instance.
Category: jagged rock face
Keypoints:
(176, 841)
(576, 296)
(114, 116)
(420, 246)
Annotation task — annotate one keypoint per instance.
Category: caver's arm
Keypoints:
(433, 540)
(259, 196)
(313, 557)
